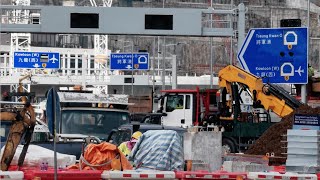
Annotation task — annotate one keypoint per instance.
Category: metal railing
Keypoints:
(73, 67)
(31, 16)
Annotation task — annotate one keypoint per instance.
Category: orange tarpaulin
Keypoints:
(103, 156)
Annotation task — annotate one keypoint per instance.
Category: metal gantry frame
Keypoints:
(109, 19)
(115, 21)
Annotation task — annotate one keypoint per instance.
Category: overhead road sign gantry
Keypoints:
(115, 21)
(33, 60)
(278, 55)
(125, 61)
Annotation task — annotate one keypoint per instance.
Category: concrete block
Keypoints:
(205, 146)
(257, 168)
(238, 166)
(227, 166)
(294, 132)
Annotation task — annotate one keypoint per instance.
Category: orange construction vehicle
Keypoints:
(23, 121)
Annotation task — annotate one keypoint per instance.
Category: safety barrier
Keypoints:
(276, 175)
(138, 175)
(194, 175)
(11, 175)
(280, 169)
(31, 174)
(63, 175)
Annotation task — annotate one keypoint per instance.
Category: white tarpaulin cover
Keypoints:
(93, 98)
(36, 155)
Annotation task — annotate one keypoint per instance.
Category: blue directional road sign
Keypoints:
(125, 61)
(277, 55)
(31, 60)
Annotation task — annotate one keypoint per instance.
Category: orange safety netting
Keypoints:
(103, 156)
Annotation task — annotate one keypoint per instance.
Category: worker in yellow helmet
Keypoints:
(127, 146)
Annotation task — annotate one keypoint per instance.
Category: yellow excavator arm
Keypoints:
(272, 97)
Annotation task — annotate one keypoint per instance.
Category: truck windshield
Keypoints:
(174, 102)
(92, 122)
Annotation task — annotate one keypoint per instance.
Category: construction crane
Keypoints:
(101, 42)
(105, 3)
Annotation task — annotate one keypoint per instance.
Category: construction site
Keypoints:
(159, 89)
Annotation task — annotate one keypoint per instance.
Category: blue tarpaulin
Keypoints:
(158, 150)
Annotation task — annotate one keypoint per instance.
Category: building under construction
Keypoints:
(193, 54)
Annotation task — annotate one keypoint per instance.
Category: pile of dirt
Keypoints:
(271, 139)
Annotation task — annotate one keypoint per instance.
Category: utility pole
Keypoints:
(211, 50)
(163, 75)
(304, 92)
(132, 68)
(153, 71)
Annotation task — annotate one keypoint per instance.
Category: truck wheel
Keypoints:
(228, 146)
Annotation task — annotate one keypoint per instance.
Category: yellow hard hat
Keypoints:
(136, 135)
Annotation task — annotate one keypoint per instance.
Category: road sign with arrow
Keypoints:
(125, 61)
(278, 55)
(34, 60)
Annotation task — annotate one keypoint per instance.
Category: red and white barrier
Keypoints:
(194, 175)
(11, 175)
(276, 175)
(31, 173)
(138, 175)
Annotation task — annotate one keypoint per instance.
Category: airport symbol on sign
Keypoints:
(278, 55)
(53, 59)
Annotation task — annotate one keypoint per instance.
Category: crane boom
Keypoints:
(272, 97)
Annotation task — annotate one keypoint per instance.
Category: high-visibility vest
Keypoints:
(123, 147)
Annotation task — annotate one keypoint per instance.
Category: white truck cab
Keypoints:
(186, 107)
(178, 110)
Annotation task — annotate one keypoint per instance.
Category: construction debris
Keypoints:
(270, 141)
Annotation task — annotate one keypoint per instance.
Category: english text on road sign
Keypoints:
(42, 60)
(128, 61)
(278, 55)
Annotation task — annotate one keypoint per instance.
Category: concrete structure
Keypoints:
(206, 150)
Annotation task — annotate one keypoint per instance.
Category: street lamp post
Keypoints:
(132, 68)
(211, 63)
(163, 63)
(163, 74)
(153, 71)
(131, 61)
(304, 86)
(211, 50)
(211, 58)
